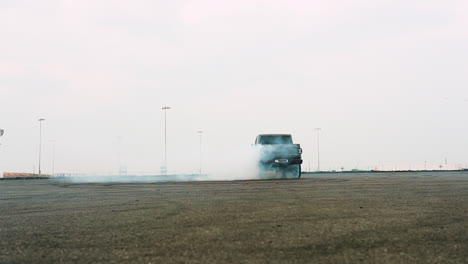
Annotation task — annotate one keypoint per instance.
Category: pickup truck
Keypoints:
(278, 156)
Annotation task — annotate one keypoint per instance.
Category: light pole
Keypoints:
(53, 156)
(1, 134)
(318, 129)
(40, 141)
(165, 108)
(200, 133)
(121, 170)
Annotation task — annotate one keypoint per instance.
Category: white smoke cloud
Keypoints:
(246, 162)
(238, 163)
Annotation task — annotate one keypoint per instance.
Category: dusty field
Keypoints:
(358, 218)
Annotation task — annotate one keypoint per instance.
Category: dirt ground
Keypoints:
(334, 218)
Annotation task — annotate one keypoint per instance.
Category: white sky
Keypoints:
(387, 81)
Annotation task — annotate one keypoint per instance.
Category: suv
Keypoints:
(279, 156)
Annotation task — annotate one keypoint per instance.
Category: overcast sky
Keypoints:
(386, 80)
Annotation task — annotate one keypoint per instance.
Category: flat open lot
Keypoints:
(333, 218)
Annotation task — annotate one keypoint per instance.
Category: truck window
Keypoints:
(274, 139)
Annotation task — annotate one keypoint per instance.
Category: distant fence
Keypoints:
(63, 174)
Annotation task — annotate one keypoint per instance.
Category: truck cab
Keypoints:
(279, 156)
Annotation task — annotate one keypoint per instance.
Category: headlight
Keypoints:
(299, 151)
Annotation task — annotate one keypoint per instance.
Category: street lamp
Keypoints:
(318, 147)
(40, 141)
(53, 156)
(200, 132)
(165, 108)
(1, 134)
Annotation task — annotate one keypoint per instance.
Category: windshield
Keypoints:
(275, 139)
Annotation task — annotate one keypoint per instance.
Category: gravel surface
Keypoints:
(333, 218)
